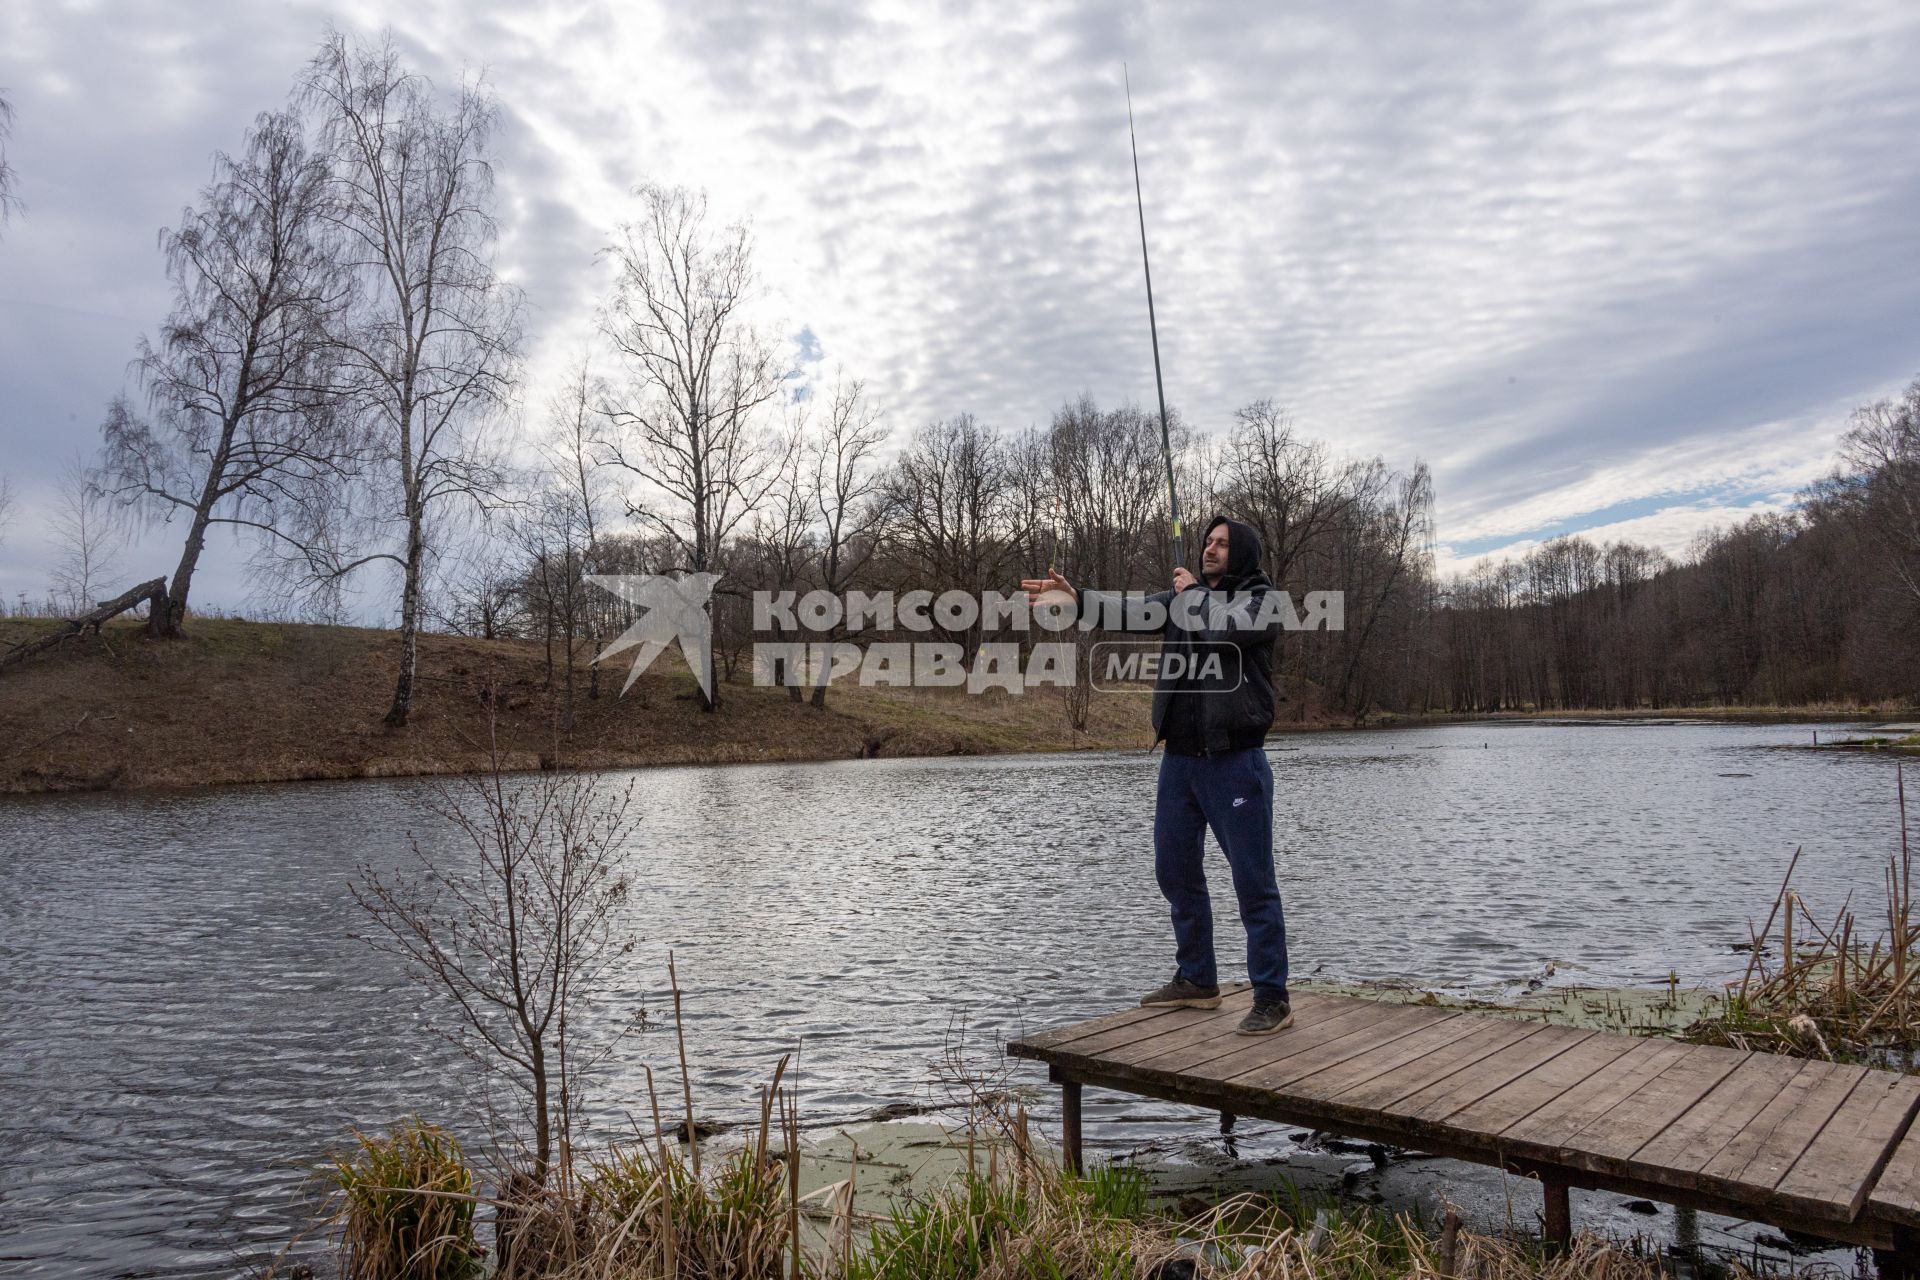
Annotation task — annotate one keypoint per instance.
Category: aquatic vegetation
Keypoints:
(648, 1210)
(653, 1214)
(405, 1206)
(1830, 991)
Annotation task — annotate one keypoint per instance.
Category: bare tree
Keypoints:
(87, 534)
(6, 506)
(1880, 482)
(782, 544)
(1110, 490)
(484, 596)
(242, 413)
(687, 421)
(847, 490)
(9, 198)
(515, 926)
(431, 338)
(1385, 555)
(955, 509)
(579, 495)
(1292, 491)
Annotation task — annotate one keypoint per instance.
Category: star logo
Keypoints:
(672, 609)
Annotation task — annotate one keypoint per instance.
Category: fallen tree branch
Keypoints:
(57, 733)
(154, 593)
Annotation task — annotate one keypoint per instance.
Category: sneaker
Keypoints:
(1267, 1017)
(1184, 994)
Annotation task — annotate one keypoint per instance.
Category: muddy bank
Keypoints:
(269, 702)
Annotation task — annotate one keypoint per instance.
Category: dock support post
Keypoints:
(1559, 1212)
(1226, 1121)
(1902, 1262)
(1070, 1125)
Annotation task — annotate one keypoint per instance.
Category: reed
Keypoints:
(647, 1210)
(404, 1206)
(1835, 992)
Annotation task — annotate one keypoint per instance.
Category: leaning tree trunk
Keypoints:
(169, 621)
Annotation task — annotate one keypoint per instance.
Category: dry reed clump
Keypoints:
(643, 1211)
(1833, 993)
(647, 1210)
(1029, 1218)
(405, 1206)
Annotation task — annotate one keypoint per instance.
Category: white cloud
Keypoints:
(1575, 257)
(1670, 529)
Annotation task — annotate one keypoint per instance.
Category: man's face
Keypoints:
(1213, 557)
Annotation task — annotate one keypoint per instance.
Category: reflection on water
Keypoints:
(188, 1024)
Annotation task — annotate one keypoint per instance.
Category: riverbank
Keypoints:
(1815, 713)
(239, 701)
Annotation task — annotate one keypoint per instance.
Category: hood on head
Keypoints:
(1243, 550)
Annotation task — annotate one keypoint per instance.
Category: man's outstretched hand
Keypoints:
(1052, 589)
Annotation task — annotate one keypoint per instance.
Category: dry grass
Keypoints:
(642, 1212)
(272, 702)
(646, 1211)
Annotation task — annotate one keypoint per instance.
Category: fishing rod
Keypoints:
(1153, 328)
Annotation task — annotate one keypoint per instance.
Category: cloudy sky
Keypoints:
(1621, 268)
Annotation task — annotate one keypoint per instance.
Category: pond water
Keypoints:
(188, 1024)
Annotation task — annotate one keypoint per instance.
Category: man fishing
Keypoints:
(1212, 707)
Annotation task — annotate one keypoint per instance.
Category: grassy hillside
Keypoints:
(266, 702)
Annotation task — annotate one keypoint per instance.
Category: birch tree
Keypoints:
(686, 420)
(431, 337)
(237, 383)
(87, 534)
(847, 492)
(9, 198)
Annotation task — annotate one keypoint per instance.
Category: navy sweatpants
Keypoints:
(1233, 794)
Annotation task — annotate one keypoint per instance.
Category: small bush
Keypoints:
(406, 1205)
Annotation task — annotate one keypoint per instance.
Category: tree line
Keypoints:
(1816, 603)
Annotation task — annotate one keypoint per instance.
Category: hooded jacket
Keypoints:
(1211, 707)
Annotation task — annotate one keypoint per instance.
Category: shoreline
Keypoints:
(249, 703)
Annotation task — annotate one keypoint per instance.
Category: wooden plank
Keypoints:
(1463, 1088)
(1496, 1112)
(1364, 1018)
(1193, 1060)
(1844, 1158)
(1033, 1046)
(1489, 1036)
(1811, 1145)
(1247, 1072)
(1164, 1037)
(1037, 1044)
(1762, 1152)
(1609, 1141)
(1175, 1025)
(1343, 1077)
(1679, 1150)
(1550, 1126)
(1896, 1196)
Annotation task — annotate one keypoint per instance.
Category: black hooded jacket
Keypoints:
(1219, 696)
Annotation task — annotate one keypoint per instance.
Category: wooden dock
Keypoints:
(1811, 1146)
